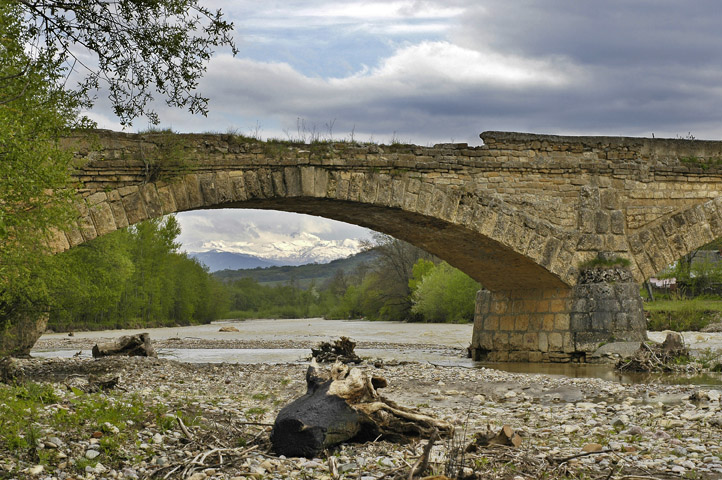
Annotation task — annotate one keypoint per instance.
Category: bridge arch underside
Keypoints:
(493, 264)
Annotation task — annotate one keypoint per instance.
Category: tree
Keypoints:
(35, 196)
(139, 47)
(444, 294)
(384, 293)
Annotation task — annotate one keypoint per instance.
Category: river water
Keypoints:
(443, 344)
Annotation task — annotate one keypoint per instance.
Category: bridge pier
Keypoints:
(558, 325)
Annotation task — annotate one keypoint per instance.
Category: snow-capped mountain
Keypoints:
(298, 249)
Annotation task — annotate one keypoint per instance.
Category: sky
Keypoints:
(445, 71)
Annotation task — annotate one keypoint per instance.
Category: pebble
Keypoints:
(551, 414)
(91, 454)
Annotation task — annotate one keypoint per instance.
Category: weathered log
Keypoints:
(138, 345)
(341, 350)
(345, 406)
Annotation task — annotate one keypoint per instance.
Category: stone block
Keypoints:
(499, 306)
(308, 180)
(617, 222)
(491, 322)
(536, 357)
(601, 222)
(167, 202)
(134, 208)
(74, 237)
(119, 217)
(180, 196)
(193, 189)
(522, 322)
(293, 182)
(57, 241)
(501, 341)
(543, 342)
(506, 322)
(252, 185)
(355, 186)
(151, 199)
(265, 181)
(557, 306)
(279, 186)
(518, 356)
(87, 228)
(556, 341)
(103, 218)
(320, 183)
(96, 198)
(531, 341)
(516, 341)
(561, 321)
(548, 322)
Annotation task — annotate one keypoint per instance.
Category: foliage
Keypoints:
(135, 48)
(35, 195)
(373, 290)
(132, 277)
(606, 262)
(444, 294)
(683, 315)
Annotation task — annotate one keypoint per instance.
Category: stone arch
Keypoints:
(499, 246)
(674, 236)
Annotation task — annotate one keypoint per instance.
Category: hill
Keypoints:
(302, 274)
(217, 260)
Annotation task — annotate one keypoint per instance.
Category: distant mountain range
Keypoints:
(303, 248)
(302, 275)
(217, 260)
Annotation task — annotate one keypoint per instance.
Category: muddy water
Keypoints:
(390, 341)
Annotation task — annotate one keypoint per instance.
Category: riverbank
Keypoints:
(132, 431)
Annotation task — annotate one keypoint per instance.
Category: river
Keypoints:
(258, 341)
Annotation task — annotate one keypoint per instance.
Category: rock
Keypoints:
(712, 328)
(592, 447)
(36, 470)
(342, 405)
(228, 328)
(615, 350)
(342, 350)
(130, 345)
(570, 429)
(21, 329)
(91, 454)
(197, 476)
(674, 344)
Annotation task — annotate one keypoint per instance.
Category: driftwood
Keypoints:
(506, 437)
(345, 406)
(341, 350)
(652, 357)
(131, 346)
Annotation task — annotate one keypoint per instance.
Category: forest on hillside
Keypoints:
(137, 277)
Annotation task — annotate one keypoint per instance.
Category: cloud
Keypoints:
(257, 227)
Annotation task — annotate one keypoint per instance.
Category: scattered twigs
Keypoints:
(199, 461)
(559, 461)
(332, 468)
(184, 429)
(423, 462)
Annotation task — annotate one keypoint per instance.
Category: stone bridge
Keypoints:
(526, 215)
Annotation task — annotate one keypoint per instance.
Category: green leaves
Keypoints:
(139, 48)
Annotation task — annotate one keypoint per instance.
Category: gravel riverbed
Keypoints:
(570, 428)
